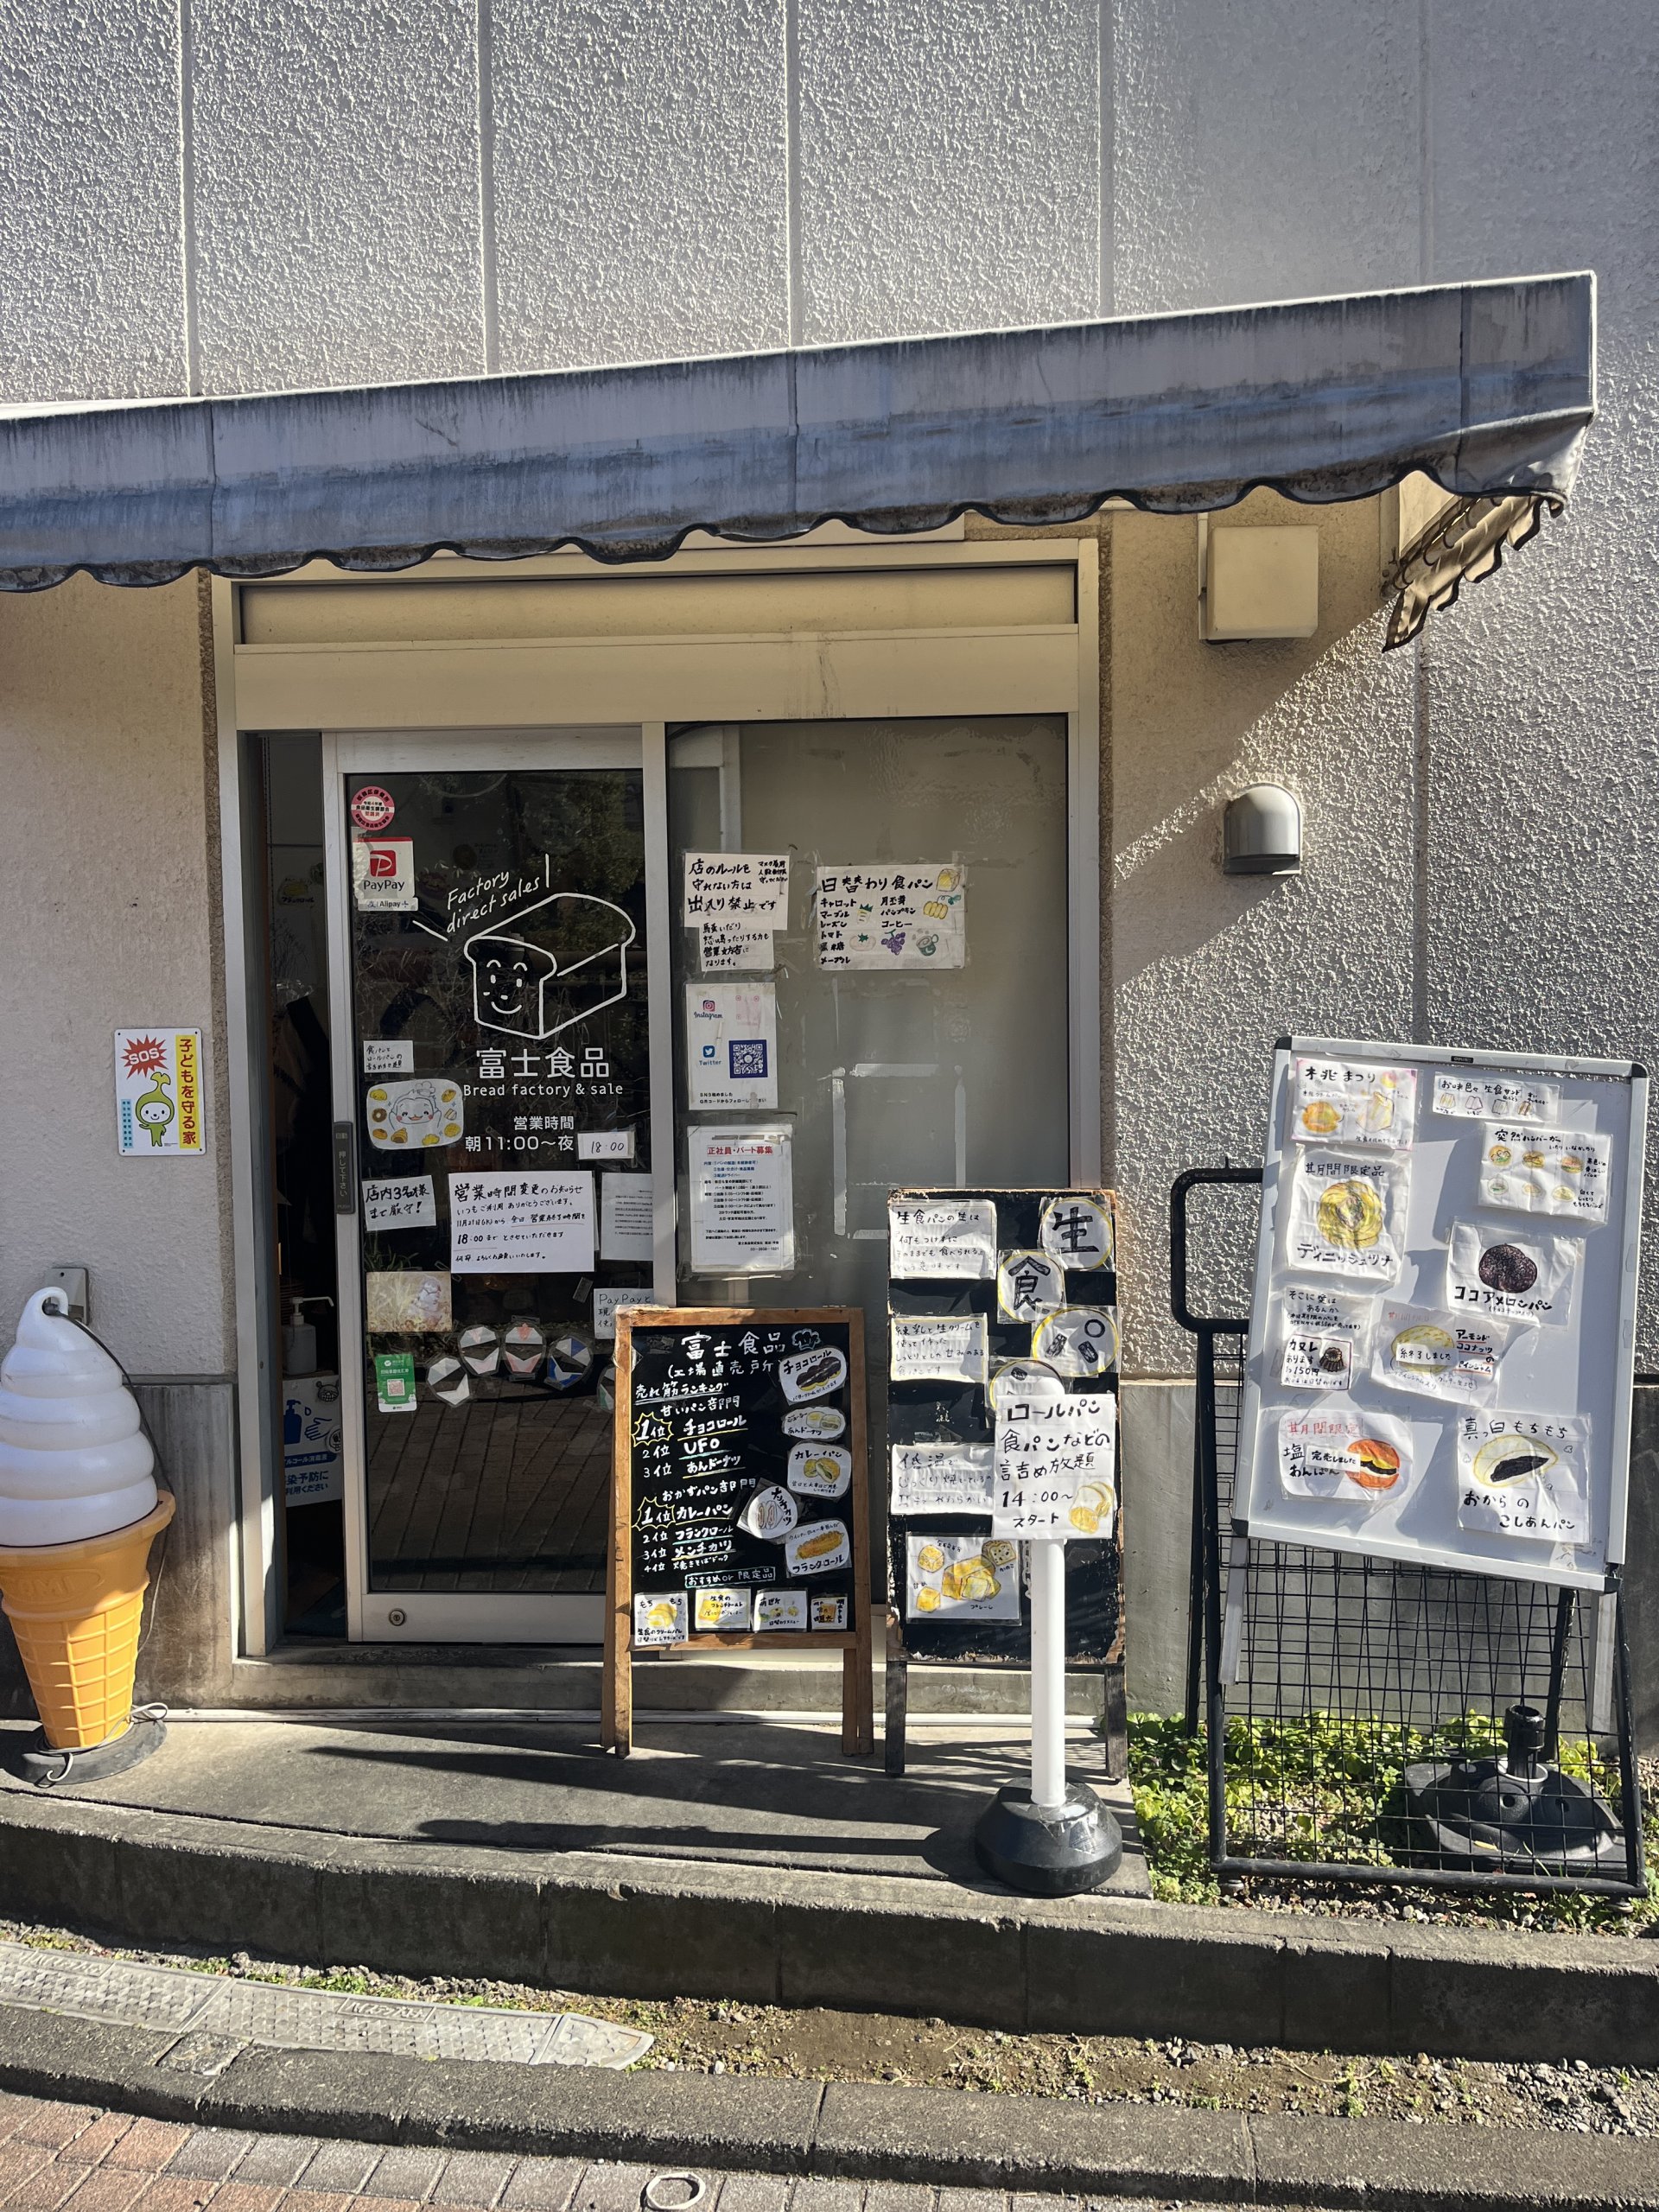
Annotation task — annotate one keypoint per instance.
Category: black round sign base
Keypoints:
(38, 1763)
(1049, 1851)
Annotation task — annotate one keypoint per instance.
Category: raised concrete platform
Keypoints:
(751, 1863)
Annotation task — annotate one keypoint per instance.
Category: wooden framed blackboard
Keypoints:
(1014, 1278)
(740, 1495)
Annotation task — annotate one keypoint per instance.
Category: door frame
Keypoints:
(467, 1617)
(747, 673)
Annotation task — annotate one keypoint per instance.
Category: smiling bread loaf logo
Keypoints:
(550, 966)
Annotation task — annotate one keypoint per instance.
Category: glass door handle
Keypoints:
(345, 1168)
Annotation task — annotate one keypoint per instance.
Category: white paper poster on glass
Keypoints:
(1029, 1285)
(406, 1302)
(399, 1202)
(731, 1044)
(626, 1228)
(949, 1240)
(1564, 1172)
(388, 1056)
(1324, 1334)
(313, 1469)
(1056, 1468)
(1341, 1453)
(1347, 1217)
(661, 1618)
(1495, 1098)
(892, 914)
(1080, 1341)
(523, 1222)
(1523, 1276)
(1525, 1476)
(405, 1116)
(946, 1348)
(976, 1577)
(1339, 1102)
(383, 875)
(607, 1303)
(940, 1478)
(158, 1092)
(736, 948)
(752, 887)
(1437, 1355)
(742, 1198)
(1079, 1233)
(604, 1144)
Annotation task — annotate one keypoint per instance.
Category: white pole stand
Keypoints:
(1055, 1839)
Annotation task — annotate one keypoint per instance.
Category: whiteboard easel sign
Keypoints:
(1473, 1224)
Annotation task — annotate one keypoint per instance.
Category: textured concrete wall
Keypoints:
(105, 850)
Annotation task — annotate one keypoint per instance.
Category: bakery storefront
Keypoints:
(660, 813)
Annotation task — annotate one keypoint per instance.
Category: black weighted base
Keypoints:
(1049, 1851)
(38, 1763)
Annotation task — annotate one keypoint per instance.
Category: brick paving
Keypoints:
(73, 2159)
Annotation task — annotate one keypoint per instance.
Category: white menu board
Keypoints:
(1464, 1401)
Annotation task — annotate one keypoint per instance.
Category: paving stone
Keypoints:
(473, 2178)
(896, 2196)
(345, 2166)
(245, 2197)
(210, 2153)
(611, 2188)
(383, 2204)
(274, 2161)
(764, 2193)
(173, 2193)
(22, 2162)
(95, 2142)
(815, 2195)
(106, 2188)
(314, 2200)
(55, 2125)
(14, 2111)
(148, 2145)
(407, 2172)
(547, 2185)
(46, 2189)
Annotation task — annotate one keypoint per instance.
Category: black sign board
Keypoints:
(740, 1498)
(1028, 1278)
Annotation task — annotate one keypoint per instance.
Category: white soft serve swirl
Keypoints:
(74, 1462)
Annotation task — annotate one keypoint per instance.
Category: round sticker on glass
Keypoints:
(372, 809)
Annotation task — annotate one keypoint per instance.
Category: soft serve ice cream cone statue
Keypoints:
(78, 1508)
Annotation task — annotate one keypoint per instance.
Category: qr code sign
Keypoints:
(747, 1055)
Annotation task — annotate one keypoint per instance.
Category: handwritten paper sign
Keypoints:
(399, 1202)
(1495, 1098)
(1056, 1473)
(942, 1240)
(947, 1348)
(736, 948)
(886, 915)
(940, 1479)
(388, 1056)
(521, 1221)
(1525, 1475)
(972, 1577)
(1347, 1216)
(1566, 1171)
(1334, 1102)
(739, 887)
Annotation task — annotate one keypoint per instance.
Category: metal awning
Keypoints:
(1485, 388)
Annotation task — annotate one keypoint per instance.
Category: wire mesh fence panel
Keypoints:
(1375, 1721)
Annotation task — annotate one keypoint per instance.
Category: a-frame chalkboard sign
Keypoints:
(740, 1495)
(983, 1284)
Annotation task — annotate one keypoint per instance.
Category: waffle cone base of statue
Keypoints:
(76, 1610)
(78, 1511)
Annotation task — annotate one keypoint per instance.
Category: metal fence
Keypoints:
(1378, 1722)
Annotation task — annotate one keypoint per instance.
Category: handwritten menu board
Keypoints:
(993, 1295)
(740, 1501)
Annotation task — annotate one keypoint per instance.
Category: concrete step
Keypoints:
(427, 1677)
